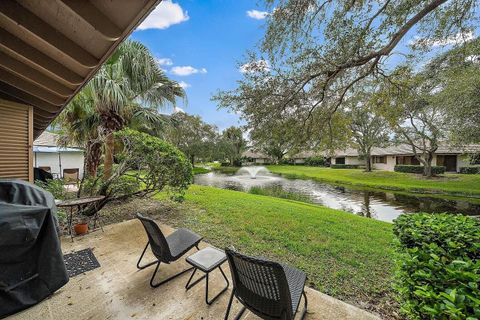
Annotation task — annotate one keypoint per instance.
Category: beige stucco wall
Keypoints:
(299, 161)
(389, 166)
(353, 160)
(463, 160)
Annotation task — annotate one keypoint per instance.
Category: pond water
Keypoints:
(380, 205)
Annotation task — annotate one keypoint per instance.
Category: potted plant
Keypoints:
(81, 227)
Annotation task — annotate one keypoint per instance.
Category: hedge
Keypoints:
(438, 266)
(344, 166)
(470, 170)
(286, 161)
(417, 169)
(315, 161)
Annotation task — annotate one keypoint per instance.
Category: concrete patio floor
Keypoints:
(117, 290)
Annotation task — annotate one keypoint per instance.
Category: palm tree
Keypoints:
(127, 90)
(79, 125)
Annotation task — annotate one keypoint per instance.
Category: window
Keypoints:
(380, 159)
(70, 175)
(340, 160)
(408, 160)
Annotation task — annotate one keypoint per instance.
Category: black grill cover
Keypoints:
(31, 260)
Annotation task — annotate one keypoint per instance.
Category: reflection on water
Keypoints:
(379, 205)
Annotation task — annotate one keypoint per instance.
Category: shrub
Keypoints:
(286, 161)
(344, 166)
(418, 169)
(470, 170)
(315, 161)
(438, 266)
(475, 158)
(55, 186)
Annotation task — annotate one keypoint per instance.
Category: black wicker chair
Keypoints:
(268, 289)
(166, 249)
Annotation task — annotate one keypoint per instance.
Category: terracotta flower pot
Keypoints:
(80, 228)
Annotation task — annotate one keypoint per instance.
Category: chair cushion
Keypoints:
(296, 282)
(181, 241)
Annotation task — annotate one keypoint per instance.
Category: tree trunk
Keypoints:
(192, 159)
(108, 161)
(368, 163)
(92, 158)
(427, 167)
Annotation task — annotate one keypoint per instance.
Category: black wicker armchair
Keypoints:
(166, 249)
(268, 289)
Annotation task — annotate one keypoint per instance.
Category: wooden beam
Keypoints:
(25, 19)
(94, 17)
(28, 98)
(30, 88)
(33, 75)
(17, 46)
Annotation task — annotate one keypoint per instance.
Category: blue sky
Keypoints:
(200, 45)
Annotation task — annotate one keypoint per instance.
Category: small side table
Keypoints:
(207, 260)
(80, 204)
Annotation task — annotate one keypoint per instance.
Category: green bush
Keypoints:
(475, 158)
(286, 161)
(315, 161)
(470, 170)
(417, 169)
(344, 166)
(438, 266)
(55, 186)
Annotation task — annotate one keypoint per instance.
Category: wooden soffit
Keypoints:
(50, 49)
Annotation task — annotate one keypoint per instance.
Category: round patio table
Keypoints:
(78, 204)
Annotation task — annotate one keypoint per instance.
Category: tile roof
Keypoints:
(254, 155)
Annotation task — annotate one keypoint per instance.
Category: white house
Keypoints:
(255, 157)
(301, 157)
(453, 158)
(59, 161)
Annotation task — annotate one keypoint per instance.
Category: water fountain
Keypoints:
(253, 171)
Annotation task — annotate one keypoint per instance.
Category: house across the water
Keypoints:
(301, 157)
(452, 158)
(61, 162)
(255, 157)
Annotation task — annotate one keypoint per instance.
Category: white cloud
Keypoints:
(165, 15)
(184, 85)
(186, 70)
(257, 15)
(164, 61)
(455, 39)
(255, 66)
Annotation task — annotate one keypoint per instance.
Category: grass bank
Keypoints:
(449, 184)
(200, 170)
(346, 256)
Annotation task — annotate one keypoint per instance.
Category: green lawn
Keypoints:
(467, 185)
(346, 256)
(200, 170)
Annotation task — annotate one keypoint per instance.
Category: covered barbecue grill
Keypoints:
(31, 260)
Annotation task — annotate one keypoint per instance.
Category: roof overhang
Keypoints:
(50, 49)
(43, 149)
